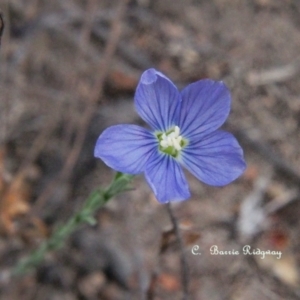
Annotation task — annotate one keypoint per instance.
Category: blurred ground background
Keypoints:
(68, 69)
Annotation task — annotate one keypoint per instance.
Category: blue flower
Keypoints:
(184, 132)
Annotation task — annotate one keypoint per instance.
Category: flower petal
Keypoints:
(205, 107)
(166, 178)
(125, 148)
(157, 100)
(216, 159)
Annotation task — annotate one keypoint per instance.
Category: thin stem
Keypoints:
(96, 200)
(183, 261)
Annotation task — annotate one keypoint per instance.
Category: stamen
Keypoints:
(176, 144)
(179, 139)
(172, 139)
(176, 131)
(163, 143)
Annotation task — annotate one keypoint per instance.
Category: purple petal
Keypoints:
(216, 159)
(166, 178)
(157, 100)
(125, 148)
(205, 107)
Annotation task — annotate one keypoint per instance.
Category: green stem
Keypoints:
(96, 200)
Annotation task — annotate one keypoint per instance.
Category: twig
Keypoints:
(97, 91)
(183, 261)
(152, 284)
(4, 123)
(252, 214)
(270, 155)
(1, 26)
(83, 44)
(282, 201)
(96, 94)
(274, 75)
(129, 52)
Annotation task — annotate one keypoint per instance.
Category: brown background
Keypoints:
(68, 69)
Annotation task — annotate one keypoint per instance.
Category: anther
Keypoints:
(173, 139)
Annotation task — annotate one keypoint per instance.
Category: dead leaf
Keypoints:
(90, 285)
(191, 237)
(284, 268)
(122, 80)
(34, 229)
(278, 239)
(15, 199)
(169, 240)
(251, 173)
(168, 282)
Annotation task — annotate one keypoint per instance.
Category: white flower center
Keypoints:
(173, 139)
